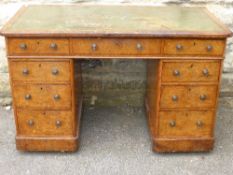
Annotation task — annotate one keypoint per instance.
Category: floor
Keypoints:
(116, 141)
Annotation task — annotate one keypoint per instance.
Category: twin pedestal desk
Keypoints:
(184, 48)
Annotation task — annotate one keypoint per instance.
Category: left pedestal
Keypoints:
(47, 103)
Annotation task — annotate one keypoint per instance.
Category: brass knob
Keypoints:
(174, 98)
(53, 46)
(203, 97)
(139, 47)
(28, 97)
(56, 97)
(209, 48)
(199, 123)
(179, 47)
(94, 46)
(176, 73)
(25, 71)
(23, 46)
(172, 123)
(205, 72)
(58, 123)
(55, 71)
(30, 122)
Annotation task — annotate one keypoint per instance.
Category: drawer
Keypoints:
(44, 123)
(115, 47)
(194, 47)
(191, 71)
(188, 96)
(186, 123)
(40, 71)
(34, 46)
(42, 96)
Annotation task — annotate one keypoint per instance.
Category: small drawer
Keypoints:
(34, 46)
(115, 47)
(188, 96)
(42, 96)
(194, 47)
(40, 71)
(191, 71)
(186, 123)
(44, 123)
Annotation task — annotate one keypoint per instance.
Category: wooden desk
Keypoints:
(184, 48)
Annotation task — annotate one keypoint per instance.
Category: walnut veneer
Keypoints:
(184, 48)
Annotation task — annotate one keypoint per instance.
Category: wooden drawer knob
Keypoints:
(205, 72)
(27, 96)
(209, 48)
(25, 71)
(139, 47)
(23, 46)
(55, 71)
(58, 123)
(174, 98)
(176, 73)
(30, 123)
(53, 46)
(172, 123)
(203, 97)
(94, 47)
(179, 47)
(199, 123)
(56, 97)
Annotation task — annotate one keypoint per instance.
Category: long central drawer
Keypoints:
(115, 47)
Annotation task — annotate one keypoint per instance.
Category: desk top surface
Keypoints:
(117, 20)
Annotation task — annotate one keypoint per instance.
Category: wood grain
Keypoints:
(42, 96)
(188, 96)
(40, 71)
(38, 46)
(61, 144)
(191, 71)
(115, 47)
(193, 47)
(183, 145)
(186, 123)
(44, 123)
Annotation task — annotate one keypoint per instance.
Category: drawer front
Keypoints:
(188, 71)
(44, 123)
(186, 123)
(194, 47)
(40, 71)
(22, 46)
(188, 96)
(116, 47)
(42, 96)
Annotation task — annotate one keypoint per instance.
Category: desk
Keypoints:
(184, 48)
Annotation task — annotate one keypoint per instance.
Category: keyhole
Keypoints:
(41, 88)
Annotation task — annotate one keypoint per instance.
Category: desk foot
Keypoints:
(62, 144)
(182, 145)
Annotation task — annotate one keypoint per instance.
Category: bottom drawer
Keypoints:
(186, 123)
(44, 123)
